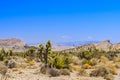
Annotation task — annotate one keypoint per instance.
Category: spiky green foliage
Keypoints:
(10, 53)
(41, 51)
(48, 50)
(31, 52)
(2, 54)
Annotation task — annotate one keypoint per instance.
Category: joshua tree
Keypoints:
(47, 51)
(2, 54)
(10, 53)
(41, 51)
(31, 52)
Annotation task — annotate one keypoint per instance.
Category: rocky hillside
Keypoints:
(14, 44)
(102, 46)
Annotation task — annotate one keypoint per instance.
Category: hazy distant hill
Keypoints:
(77, 43)
(104, 46)
(19, 45)
(14, 44)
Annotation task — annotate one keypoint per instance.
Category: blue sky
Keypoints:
(60, 20)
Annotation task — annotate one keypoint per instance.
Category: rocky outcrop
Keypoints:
(116, 46)
(14, 44)
(104, 46)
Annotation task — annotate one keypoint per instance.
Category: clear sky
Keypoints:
(60, 20)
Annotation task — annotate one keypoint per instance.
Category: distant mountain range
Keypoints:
(102, 46)
(77, 43)
(18, 45)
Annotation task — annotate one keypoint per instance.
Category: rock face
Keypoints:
(105, 45)
(14, 44)
(116, 46)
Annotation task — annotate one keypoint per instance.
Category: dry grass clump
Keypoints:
(116, 59)
(112, 69)
(109, 77)
(75, 67)
(104, 59)
(117, 64)
(100, 71)
(31, 63)
(87, 66)
(105, 71)
(11, 64)
(93, 61)
(43, 70)
(54, 72)
(3, 70)
(65, 72)
(82, 72)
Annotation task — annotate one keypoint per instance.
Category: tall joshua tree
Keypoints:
(41, 51)
(47, 51)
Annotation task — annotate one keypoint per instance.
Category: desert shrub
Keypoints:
(85, 61)
(101, 71)
(82, 72)
(64, 72)
(117, 64)
(109, 77)
(44, 69)
(54, 72)
(104, 59)
(112, 69)
(87, 66)
(3, 70)
(93, 61)
(11, 64)
(6, 62)
(31, 63)
(76, 61)
(85, 54)
(110, 55)
(116, 59)
(74, 67)
(62, 61)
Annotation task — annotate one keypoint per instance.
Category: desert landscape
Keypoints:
(18, 61)
(59, 39)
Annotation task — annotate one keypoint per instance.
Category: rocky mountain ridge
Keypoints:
(102, 46)
(16, 45)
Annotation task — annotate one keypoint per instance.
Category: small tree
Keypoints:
(10, 53)
(41, 51)
(2, 54)
(31, 52)
(47, 51)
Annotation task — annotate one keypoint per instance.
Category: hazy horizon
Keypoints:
(60, 21)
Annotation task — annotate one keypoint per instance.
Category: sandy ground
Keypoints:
(33, 75)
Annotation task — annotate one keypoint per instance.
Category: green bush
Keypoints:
(60, 61)
(85, 61)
